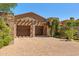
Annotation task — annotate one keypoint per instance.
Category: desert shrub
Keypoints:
(60, 35)
(1, 43)
(76, 36)
(5, 37)
(57, 34)
(7, 40)
(70, 34)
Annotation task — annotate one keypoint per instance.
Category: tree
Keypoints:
(53, 23)
(71, 31)
(77, 22)
(5, 37)
(77, 27)
(72, 18)
(7, 7)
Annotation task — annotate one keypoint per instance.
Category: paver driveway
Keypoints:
(40, 46)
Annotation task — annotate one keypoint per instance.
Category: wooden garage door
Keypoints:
(38, 30)
(23, 31)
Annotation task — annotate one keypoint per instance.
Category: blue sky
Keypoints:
(61, 10)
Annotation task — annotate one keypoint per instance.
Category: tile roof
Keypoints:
(30, 14)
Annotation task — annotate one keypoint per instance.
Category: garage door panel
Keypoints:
(23, 30)
(38, 30)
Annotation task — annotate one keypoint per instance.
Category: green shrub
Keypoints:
(5, 37)
(6, 40)
(1, 43)
(60, 35)
(70, 34)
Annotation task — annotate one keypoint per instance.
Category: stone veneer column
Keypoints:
(15, 30)
(48, 31)
(31, 35)
(32, 31)
(45, 30)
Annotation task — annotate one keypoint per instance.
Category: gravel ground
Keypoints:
(40, 46)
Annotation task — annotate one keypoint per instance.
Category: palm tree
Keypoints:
(50, 23)
(53, 23)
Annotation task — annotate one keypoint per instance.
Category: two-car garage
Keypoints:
(26, 30)
(30, 24)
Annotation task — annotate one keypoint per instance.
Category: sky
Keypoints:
(61, 10)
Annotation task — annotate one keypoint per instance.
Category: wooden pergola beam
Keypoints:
(23, 22)
(18, 21)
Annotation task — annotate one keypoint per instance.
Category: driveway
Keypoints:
(41, 46)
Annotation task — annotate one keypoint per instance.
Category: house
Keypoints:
(27, 24)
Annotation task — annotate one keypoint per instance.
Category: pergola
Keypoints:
(33, 26)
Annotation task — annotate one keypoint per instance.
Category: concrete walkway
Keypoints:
(40, 46)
